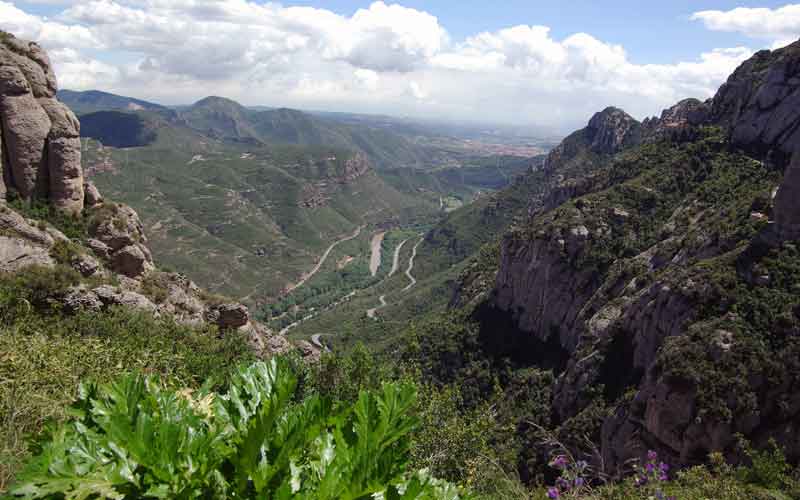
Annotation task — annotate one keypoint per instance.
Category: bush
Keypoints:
(138, 439)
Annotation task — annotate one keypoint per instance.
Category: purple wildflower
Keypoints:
(553, 493)
(652, 456)
(579, 482)
(559, 462)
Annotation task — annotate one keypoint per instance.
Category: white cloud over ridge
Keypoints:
(781, 26)
(384, 58)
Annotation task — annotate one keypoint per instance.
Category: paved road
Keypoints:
(411, 266)
(396, 261)
(307, 276)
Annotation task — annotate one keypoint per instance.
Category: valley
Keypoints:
(257, 204)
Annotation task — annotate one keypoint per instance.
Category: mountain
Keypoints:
(635, 290)
(654, 277)
(94, 100)
(227, 119)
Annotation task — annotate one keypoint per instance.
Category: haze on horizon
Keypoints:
(534, 63)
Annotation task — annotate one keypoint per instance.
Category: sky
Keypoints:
(525, 62)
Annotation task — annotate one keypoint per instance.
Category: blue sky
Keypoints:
(549, 63)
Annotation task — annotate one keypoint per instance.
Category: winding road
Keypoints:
(371, 312)
(396, 261)
(411, 266)
(307, 276)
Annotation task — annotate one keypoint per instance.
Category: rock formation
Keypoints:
(617, 316)
(40, 157)
(39, 136)
(760, 104)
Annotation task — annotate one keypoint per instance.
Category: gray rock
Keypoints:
(133, 261)
(116, 225)
(232, 316)
(80, 298)
(92, 196)
(25, 130)
(17, 253)
(66, 174)
(760, 104)
(86, 265)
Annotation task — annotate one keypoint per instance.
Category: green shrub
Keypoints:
(138, 439)
(74, 227)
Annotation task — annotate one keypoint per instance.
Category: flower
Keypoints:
(579, 482)
(559, 462)
(652, 456)
(553, 493)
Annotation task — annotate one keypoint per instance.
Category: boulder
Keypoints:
(17, 253)
(230, 316)
(92, 196)
(116, 225)
(132, 261)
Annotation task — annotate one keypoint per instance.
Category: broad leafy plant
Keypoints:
(136, 439)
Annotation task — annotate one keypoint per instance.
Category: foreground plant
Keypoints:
(136, 439)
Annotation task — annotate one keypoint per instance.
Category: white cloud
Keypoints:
(781, 25)
(385, 58)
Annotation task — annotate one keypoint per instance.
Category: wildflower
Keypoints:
(559, 462)
(652, 456)
(579, 482)
(553, 493)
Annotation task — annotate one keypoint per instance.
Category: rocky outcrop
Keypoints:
(760, 104)
(678, 122)
(652, 331)
(117, 235)
(611, 130)
(40, 136)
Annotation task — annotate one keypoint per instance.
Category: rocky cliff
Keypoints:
(43, 195)
(39, 136)
(662, 265)
(759, 104)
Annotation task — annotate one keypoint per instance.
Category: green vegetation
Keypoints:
(45, 354)
(119, 129)
(250, 441)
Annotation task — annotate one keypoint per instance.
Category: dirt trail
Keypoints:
(307, 276)
(411, 266)
(375, 258)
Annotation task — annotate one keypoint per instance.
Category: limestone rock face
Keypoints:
(40, 136)
(611, 130)
(760, 104)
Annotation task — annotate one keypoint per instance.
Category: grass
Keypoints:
(44, 354)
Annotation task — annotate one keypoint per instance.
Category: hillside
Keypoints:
(91, 101)
(260, 195)
(649, 290)
(80, 295)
